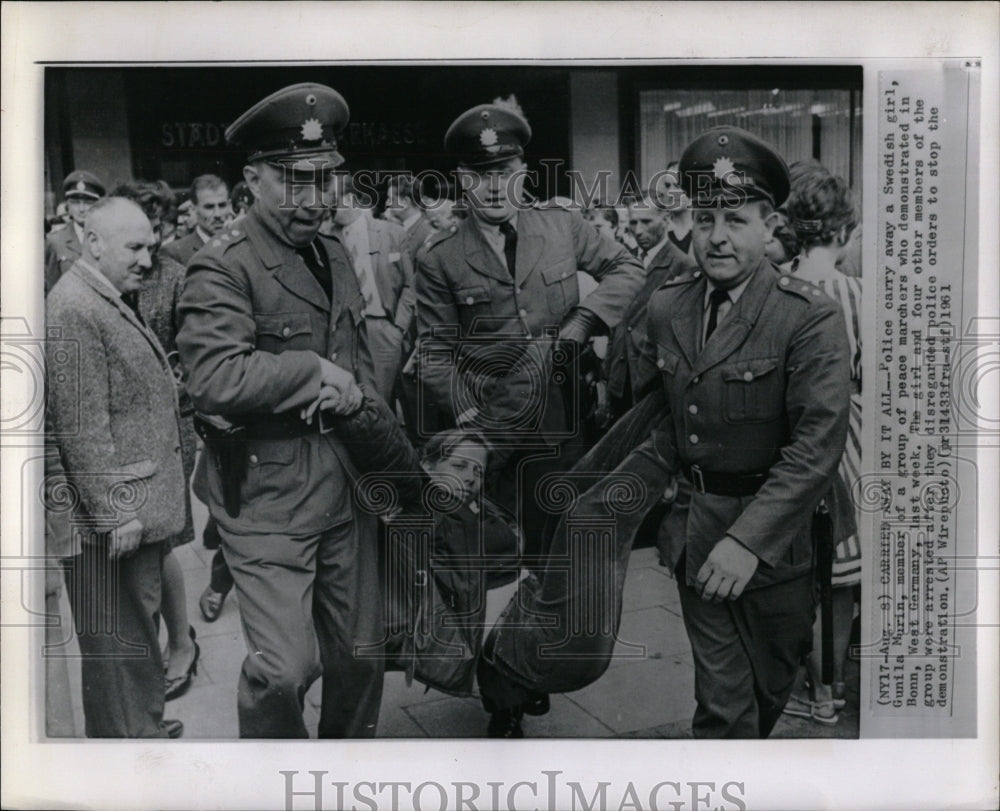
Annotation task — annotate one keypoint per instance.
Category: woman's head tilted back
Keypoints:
(456, 461)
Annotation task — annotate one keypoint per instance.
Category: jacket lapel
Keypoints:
(688, 320)
(479, 255)
(286, 265)
(126, 312)
(530, 245)
(735, 327)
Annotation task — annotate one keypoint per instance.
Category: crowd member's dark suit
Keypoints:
(769, 392)
(393, 271)
(181, 250)
(115, 417)
(622, 361)
(62, 249)
(253, 321)
(464, 286)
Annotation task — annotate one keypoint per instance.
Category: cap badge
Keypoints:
(81, 186)
(488, 137)
(312, 130)
(723, 168)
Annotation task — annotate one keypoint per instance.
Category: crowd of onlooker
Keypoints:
(817, 238)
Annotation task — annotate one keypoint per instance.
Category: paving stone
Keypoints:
(640, 695)
(222, 658)
(650, 634)
(450, 718)
(207, 712)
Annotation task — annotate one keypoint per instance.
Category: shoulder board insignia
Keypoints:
(799, 287)
(684, 278)
(437, 237)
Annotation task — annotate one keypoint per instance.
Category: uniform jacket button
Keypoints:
(469, 300)
(748, 376)
(286, 331)
(696, 379)
(253, 459)
(693, 409)
(523, 313)
(661, 363)
(333, 356)
(693, 439)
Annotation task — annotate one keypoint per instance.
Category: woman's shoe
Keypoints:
(179, 685)
(822, 712)
(211, 603)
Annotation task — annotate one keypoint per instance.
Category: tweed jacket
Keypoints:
(622, 361)
(393, 270)
(254, 323)
(769, 392)
(62, 249)
(468, 304)
(114, 412)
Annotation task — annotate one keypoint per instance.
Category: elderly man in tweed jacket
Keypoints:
(114, 418)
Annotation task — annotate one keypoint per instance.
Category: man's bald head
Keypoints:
(118, 240)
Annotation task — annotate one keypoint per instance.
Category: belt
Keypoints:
(724, 484)
(281, 426)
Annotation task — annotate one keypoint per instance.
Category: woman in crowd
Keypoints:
(822, 214)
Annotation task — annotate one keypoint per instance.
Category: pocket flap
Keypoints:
(142, 469)
(472, 295)
(265, 452)
(558, 273)
(282, 325)
(749, 370)
(666, 361)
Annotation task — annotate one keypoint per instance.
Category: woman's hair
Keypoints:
(786, 236)
(443, 444)
(819, 206)
(152, 198)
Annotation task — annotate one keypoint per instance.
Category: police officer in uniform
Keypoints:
(499, 292)
(756, 371)
(272, 326)
(81, 190)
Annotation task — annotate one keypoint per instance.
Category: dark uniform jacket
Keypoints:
(253, 323)
(181, 250)
(769, 392)
(622, 361)
(416, 236)
(113, 410)
(62, 249)
(468, 305)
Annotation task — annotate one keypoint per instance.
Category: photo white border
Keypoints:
(190, 774)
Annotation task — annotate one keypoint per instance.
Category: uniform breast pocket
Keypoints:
(754, 391)
(278, 332)
(562, 292)
(667, 362)
(269, 477)
(474, 303)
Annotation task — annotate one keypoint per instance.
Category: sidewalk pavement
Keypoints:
(647, 692)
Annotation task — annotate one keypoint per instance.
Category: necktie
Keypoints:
(317, 266)
(716, 299)
(132, 302)
(509, 246)
(365, 280)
